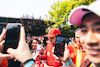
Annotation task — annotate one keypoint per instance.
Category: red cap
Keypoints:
(53, 32)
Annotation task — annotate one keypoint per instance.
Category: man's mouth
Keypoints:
(34, 45)
(94, 51)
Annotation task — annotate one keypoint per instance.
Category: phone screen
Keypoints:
(60, 45)
(12, 37)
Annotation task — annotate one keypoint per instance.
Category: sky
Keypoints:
(16, 8)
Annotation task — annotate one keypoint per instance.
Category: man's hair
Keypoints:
(77, 29)
(91, 13)
(86, 15)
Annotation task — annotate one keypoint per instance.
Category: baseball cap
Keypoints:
(76, 15)
(53, 32)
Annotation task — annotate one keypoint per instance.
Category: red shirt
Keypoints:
(51, 60)
(77, 55)
(4, 63)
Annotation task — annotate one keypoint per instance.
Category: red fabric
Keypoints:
(51, 60)
(53, 32)
(4, 63)
(73, 48)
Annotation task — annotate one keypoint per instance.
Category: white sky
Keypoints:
(16, 8)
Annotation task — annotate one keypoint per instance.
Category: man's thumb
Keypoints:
(11, 51)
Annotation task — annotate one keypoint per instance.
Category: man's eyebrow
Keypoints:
(82, 26)
(96, 23)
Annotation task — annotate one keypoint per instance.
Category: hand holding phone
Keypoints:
(12, 36)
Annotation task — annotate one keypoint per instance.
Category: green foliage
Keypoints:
(60, 11)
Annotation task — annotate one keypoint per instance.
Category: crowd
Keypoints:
(84, 51)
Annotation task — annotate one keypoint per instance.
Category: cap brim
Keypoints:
(48, 35)
(76, 15)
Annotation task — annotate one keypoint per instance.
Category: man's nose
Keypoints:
(49, 39)
(90, 38)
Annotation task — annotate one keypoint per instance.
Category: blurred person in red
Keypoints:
(77, 53)
(52, 60)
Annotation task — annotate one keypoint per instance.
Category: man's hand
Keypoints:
(22, 53)
(4, 56)
(66, 54)
(66, 58)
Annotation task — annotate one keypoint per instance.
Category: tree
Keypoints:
(60, 11)
(33, 26)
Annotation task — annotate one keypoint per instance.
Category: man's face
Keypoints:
(90, 37)
(52, 39)
(77, 36)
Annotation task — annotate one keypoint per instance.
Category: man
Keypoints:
(77, 53)
(52, 60)
(89, 22)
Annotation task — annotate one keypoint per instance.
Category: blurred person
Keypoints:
(89, 22)
(36, 49)
(28, 38)
(52, 60)
(35, 46)
(41, 40)
(77, 53)
(45, 41)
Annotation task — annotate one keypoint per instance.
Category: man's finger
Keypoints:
(11, 51)
(1, 45)
(6, 56)
(2, 35)
(2, 42)
(66, 47)
(22, 34)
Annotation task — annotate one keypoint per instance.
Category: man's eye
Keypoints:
(83, 31)
(98, 29)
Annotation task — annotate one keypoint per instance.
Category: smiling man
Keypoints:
(89, 22)
(52, 60)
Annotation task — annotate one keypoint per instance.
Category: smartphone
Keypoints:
(39, 50)
(60, 45)
(12, 36)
